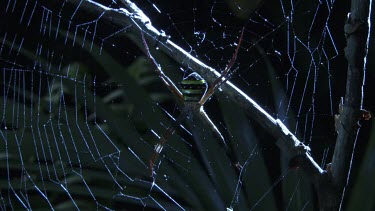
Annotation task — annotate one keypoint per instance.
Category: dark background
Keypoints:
(206, 29)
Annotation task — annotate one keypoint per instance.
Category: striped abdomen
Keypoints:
(193, 87)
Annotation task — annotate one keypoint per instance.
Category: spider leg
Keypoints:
(167, 81)
(206, 119)
(172, 87)
(159, 147)
(223, 77)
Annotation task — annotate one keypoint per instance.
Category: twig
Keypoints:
(357, 37)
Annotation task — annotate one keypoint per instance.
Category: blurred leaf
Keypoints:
(363, 194)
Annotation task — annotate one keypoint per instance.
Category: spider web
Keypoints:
(81, 108)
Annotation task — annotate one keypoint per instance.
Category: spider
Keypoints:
(194, 93)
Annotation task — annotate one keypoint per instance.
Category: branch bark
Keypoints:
(357, 36)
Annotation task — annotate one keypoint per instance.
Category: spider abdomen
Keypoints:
(193, 87)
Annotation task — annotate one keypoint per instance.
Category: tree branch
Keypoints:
(357, 36)
(132, 15)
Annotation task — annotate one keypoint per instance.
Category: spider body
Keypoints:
(193, 87)
(194, 94)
